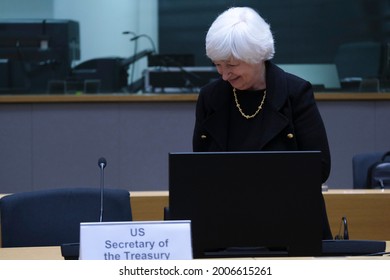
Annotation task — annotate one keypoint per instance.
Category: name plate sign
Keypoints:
(156, 240)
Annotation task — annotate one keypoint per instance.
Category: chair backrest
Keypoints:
(52, 217)
(361, 164)
(379, 173)
(360, 60)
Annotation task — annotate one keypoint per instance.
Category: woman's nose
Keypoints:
(225, 74)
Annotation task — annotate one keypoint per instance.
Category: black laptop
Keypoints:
(248, 203)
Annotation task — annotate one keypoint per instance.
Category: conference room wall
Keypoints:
(57, 145)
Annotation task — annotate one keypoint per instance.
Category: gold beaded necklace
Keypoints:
(239, 107)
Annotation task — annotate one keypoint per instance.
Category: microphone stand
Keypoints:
(134, 52)
(102, 164)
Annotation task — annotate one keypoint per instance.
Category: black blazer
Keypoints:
(291, 120)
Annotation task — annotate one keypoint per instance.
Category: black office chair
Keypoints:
(361, 164)
(52, 217)
(359, 59)
(359, 65)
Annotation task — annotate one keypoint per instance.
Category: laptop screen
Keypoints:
(248, 203)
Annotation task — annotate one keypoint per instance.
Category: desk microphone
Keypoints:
(129, 32)
(135, 38)
(102, 164)
(344, 229)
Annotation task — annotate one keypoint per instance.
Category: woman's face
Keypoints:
(242, 75)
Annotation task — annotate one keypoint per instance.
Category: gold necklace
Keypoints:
(239, 107)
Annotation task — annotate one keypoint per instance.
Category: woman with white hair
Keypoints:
(255, 105)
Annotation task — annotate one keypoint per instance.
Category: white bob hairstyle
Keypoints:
(240, 33)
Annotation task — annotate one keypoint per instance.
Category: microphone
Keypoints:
(136, 37)
(102, 164)
(147, 37)
(129, 32)
(344, 229)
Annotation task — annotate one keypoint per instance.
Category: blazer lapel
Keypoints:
(273, 120)
(273, 123)
(217, 123)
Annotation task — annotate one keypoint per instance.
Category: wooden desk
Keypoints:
(31, 253)
(367, 211)
(149, 206)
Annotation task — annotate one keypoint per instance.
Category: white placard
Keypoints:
(155, 240)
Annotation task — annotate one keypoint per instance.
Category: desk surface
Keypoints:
(54, 253)
(31, 253)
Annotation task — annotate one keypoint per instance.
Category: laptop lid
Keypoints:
(248, 203)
